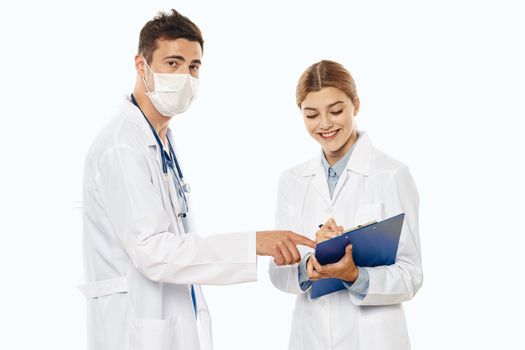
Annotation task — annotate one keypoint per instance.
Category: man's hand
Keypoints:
(328, 230)
(344, 269)
(282, 245)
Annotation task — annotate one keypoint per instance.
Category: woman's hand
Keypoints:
(344, 269)
(328, 230)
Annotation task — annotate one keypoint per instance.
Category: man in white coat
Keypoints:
(143, 263)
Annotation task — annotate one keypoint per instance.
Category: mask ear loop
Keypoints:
(144, 77)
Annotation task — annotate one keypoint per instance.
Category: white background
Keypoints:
(441, 86)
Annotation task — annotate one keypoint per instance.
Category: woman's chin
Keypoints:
(330, 149)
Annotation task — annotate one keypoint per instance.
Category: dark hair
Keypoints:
(326, 74)
(167, 26)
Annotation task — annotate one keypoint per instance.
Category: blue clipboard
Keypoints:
(373, 244)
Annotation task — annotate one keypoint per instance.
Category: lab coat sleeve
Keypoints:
(136, 213)
(286, 278)
(398, 282)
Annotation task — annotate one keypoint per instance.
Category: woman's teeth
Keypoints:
(329, 134)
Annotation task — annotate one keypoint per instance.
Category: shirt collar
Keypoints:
(359, 162)
(340, 166)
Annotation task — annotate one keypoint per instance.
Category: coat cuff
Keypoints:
(304, 282)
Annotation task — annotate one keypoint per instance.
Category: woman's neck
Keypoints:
(333, 157)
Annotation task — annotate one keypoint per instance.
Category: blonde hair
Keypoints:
(326, 74)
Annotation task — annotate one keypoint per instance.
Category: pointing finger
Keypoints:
(302, 240)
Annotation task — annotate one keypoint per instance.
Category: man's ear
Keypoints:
(139, 65)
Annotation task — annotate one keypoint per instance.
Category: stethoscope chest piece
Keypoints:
(185, 187)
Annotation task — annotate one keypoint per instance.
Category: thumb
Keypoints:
(349, 252)
(330, 224)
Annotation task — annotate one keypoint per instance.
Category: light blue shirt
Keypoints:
(333, 173)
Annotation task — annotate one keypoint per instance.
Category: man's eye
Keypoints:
(173, 63)
(337, 112)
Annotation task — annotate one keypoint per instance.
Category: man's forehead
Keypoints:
(189, 50)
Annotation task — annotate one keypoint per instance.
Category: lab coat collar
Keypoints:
(359, 161)
(137, 118)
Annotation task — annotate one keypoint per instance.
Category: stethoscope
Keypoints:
(168, 160)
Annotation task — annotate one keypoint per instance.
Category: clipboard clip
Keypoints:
(360, 226)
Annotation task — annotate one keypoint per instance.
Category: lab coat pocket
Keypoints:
(155, 334)
(107, 311)
(368, 212)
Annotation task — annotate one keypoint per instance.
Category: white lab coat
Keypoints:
(373, 187)
(139, 262)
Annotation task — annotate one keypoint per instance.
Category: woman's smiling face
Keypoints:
(329, 118)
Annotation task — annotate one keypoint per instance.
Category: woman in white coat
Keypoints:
(351, 183)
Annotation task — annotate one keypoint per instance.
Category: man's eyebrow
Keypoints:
(181, 58)
(333, 104)
(177, 57)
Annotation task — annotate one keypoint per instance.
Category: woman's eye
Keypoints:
(311, 116)
(337, 112)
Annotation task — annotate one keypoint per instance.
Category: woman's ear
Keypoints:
(356, 107)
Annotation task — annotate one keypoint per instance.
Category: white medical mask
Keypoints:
(173, 93)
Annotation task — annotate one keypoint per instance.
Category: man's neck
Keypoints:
(159, 122)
